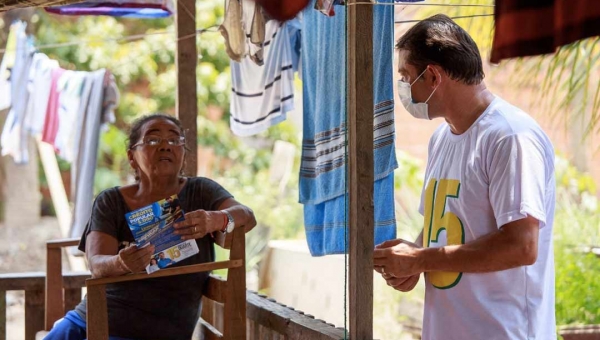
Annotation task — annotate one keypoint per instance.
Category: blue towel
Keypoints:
(324, 223)
(323, 168)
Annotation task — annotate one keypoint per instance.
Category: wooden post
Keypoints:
(2, 314)
(186, 60)
(359, 36)
(235, 296)
(97, 317)
(54, 287)
(34, 313)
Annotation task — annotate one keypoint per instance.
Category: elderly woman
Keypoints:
(160, 308)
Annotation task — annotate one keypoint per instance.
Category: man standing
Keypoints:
(488, 199)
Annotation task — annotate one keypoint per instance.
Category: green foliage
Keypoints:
(408, 182)
(577, 286)
(576, 229)
(279, 212)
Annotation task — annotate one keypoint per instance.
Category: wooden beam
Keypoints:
(234, 315)
(61, 243)
(37, 281)
(186, 60)
(54, 290)
(2, 314)
(196, 268)
(34, 313)
(289, 323)
(359, 37)
(97, 313)
(209, 332)
(215, 289)
(56, 186)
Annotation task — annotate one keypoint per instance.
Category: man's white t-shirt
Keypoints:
(499, 171)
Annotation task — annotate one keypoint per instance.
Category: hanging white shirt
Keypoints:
(38, 87)
(262, 95)
(14, 138)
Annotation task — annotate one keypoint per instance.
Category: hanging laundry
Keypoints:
(258, 26)
(295, 36)
(283, 10)
(323, 169)
(98, 100)
(51, 122)
(262, 95)
(326, 6)
(141, 9)
(232, 30)
(73, 108)
(14, 138)
(256, 34)
(38, 86)
(527, 28)
(8, 61)
(70, 86)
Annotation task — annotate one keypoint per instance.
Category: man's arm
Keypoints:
(513, 245)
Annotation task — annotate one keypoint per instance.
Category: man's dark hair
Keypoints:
(440, 41)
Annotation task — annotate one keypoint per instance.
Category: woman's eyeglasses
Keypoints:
(154, 141)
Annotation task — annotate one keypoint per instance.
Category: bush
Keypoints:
(576, 229)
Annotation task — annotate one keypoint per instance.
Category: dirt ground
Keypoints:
(22, 249)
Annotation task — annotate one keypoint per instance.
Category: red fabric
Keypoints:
(525, 28)
(51, 122)
(283, 10)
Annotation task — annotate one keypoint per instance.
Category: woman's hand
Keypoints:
(133, 259)
(199, 223)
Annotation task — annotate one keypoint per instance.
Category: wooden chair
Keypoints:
(58, 300)
(230, 292)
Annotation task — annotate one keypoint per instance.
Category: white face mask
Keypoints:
(417, 110)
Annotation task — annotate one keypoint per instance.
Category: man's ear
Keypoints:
(436, 75)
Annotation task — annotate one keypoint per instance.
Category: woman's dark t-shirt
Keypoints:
(160, 308)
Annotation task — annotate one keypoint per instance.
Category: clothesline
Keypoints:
(376, 3)
(457, 17)
(124, 39)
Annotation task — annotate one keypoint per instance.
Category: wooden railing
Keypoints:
(265, 318)
(33, 284)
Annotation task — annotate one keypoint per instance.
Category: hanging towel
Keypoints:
(14, 137)
(323, 168)
(526, 28)
(97, 101)
(262, 95)
(70, 86)
(141, 9)
(52, 119)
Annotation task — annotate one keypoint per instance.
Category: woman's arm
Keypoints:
(201, 222)
(242, 215)
(105, 260)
